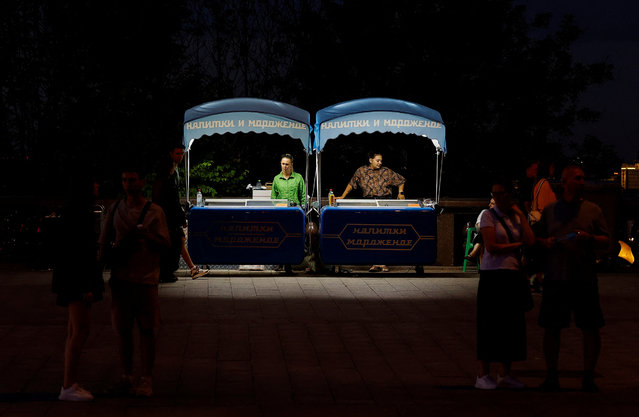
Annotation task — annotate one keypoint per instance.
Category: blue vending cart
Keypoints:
(246, 231)
(391, 232)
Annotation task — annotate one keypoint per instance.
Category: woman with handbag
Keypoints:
(503, 296)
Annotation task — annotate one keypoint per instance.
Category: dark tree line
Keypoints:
(85, 82)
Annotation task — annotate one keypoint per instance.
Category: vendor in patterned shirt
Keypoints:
(288, 184)
(375, 180)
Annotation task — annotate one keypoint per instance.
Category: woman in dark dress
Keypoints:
(501, 322)
(77, 278)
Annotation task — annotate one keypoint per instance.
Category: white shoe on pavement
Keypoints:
(75, 393)
(485, 382)
(196, 272)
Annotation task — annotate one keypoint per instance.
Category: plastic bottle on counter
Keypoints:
(199, 200)
(331, 198)
(258, 186)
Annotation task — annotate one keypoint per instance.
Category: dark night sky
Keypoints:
(612, 34)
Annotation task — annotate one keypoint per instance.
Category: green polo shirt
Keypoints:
(291, 189)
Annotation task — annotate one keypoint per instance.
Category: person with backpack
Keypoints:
(135, 233)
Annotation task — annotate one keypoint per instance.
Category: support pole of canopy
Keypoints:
(318, 170)
(306, 200)
(438, 174)
(187, 172)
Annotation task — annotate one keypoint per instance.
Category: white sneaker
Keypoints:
(75, 393)
(485, 382)
(196, 272)
(510, 382)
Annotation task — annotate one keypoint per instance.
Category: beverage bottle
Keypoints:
(331, 198)
(258, 186)
(200, 200)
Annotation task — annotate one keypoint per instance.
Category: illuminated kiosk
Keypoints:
(245, 231)
(389, 232)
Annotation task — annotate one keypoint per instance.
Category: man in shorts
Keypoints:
(571, 229)
(134, 279)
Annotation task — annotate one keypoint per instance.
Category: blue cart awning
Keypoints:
(244, 115)
(371, 115)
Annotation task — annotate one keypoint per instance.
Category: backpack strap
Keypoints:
(509, 234)
(144, 211)
(503, 223)
(110, 221)
(535, 204)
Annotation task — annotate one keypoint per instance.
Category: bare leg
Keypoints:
(147, 350)
(185, 254)
(148, 320)
(123, 326)
(592, 347)
(504, 369)
(551, 343)
(483, 368)
(484, 380)
(77, 333)
(475, 250)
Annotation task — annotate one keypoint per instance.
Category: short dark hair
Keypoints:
(506, 183)
(569, 168)
(176, 145)
(372, 154)
(134, 166)
(287, 156)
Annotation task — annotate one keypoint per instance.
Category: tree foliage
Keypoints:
(217, 179)
(94, 81)
(504, 94)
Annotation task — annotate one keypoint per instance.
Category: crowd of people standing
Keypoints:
(142, 241)
(567, 234)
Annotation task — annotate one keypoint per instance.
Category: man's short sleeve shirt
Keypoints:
(570, 258)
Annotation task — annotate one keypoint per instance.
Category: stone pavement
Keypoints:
(266, 344)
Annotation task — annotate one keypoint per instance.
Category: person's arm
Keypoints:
(274, 190)
(301, 191)
(352, 184)
(490, 242)
(489, 235)
(527, 235)
(346, 191)
(598, 236)
(107, 231)
(157, 233)
(399, 181)
(598, 241)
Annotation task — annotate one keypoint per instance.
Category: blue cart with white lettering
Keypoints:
(246, 231)
(390, 232)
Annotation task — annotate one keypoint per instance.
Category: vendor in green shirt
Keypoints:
(288, 184)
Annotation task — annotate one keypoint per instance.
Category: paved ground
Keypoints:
(264, 344)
